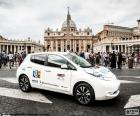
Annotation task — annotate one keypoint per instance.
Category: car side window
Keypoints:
(56, 61)
(39, 59)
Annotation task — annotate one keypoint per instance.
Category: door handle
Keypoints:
(29, 67)
(61, 75)
(48, 71)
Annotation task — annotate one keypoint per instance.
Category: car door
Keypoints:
(36, 69)
(55, 77)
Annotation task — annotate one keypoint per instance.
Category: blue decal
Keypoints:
(35, 73)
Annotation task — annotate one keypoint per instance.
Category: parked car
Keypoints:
(69, 74)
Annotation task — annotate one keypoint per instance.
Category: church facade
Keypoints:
(18, 46)
(118, 38)
(68, 38)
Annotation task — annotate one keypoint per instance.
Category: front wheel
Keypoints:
(24, 83)
(84, 94)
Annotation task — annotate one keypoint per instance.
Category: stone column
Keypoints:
(116, 47)
(69, 44)
(121, 48)
(14, 48)
(74, 45)
(84, 45)
(104, 48)
(79, 41)
(61, 45)
(110, 48)
(51, 46)
(26, 49)
(18, 48)
(56, 44)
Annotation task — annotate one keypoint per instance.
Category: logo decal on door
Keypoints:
(60, 76)
(36, 73)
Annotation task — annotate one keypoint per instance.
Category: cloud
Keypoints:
(29, 18)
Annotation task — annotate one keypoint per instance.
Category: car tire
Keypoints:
(84, 94)
(24, 83)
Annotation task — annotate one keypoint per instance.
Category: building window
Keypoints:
(48, 34)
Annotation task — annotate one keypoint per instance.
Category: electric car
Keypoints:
(67, 73)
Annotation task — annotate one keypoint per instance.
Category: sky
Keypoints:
(20, 19)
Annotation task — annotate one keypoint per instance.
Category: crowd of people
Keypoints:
(113, 60)
(11, 59)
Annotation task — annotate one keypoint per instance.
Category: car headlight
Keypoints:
(100, 76)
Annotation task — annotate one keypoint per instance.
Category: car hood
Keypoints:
(100, 70)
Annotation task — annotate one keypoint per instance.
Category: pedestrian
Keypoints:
(19, 57)
(119, 60)
(113, 60)
(10, 59)
(82, 54)
(130, 61)
(106, 58)
(102, 58)
(98, 57)
(4, 58)
(23, 55)
(92, 58)
(87, 56)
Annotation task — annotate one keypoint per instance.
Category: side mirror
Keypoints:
(64, 66)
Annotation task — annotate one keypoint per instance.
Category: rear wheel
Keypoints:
(24, 83)
(84, 93)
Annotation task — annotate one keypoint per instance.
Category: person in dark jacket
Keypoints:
(113, 60)
(98, 57)
(130, 61)
(82, 54)
(119, 62)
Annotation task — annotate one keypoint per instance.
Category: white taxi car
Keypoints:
(67, 73)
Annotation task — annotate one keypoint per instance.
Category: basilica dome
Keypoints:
(71, 24)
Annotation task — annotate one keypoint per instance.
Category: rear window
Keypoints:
(38, 59)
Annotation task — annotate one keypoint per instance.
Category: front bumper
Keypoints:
(108, 91)
(111, 95)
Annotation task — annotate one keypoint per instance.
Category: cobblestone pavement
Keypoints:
(64, 105)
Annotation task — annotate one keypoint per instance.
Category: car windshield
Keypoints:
(78, 60)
